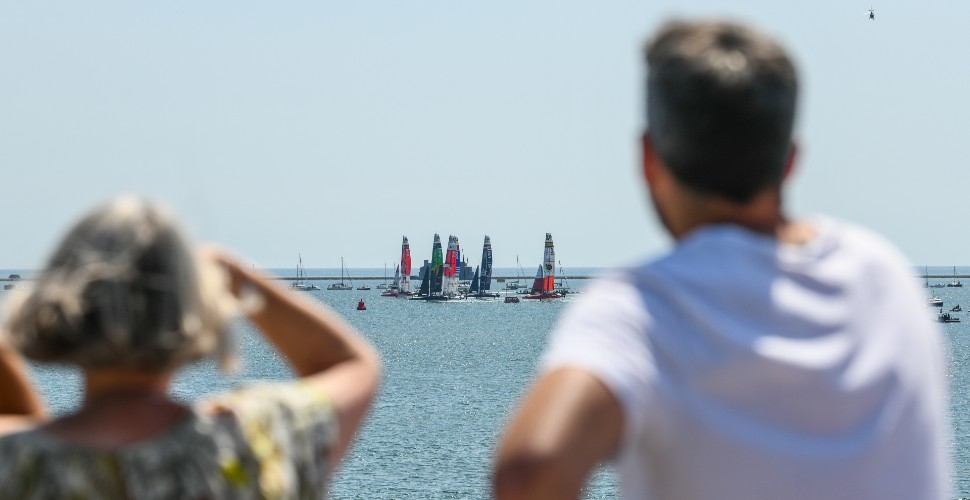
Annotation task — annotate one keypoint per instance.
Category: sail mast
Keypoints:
(405, 283)
(486, 267)
(549, 265)
(450, 285)
(437, 263)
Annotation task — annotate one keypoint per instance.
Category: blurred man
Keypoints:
(763, 357)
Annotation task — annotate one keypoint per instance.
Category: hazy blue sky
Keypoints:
(332, 129)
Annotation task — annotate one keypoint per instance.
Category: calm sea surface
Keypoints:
(453, 372)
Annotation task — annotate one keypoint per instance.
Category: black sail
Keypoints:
(474, 287)
(486, 267)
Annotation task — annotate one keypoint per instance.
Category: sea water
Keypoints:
(453, 374)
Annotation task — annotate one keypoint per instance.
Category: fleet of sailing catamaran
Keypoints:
(440, 278)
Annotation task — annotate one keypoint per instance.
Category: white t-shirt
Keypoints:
(749, 369)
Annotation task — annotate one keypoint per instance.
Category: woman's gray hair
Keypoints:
(124, 290)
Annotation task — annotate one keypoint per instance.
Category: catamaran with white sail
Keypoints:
(544, 286)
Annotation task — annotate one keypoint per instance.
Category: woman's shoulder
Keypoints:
(288, 428)
(283, 401)
(270, 438)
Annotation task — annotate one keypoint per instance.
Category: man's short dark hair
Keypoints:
(720, 107)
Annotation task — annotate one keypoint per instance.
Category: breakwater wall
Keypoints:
(368, 278)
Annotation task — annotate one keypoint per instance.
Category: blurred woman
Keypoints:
(125, 298)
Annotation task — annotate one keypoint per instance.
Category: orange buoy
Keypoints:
(361, 306)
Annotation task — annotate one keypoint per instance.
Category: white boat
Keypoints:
(341, 285)
(384, 285)
(562, 286)
(954, 283)
(300, 284)
(516, 283)
(933, 301)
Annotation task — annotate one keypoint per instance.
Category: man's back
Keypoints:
(749, 369)
(765, 357)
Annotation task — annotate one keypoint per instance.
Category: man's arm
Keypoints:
(568, 423)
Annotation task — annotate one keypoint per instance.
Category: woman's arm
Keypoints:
(20, 407)
(321, 347)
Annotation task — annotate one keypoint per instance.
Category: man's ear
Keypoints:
(648, 158)
(790, 161)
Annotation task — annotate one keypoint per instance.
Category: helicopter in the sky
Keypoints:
(872, 14)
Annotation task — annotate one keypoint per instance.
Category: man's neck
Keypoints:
(762, 215)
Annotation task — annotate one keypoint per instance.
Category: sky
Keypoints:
(331, 129)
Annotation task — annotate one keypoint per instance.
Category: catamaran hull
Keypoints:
(438, 298)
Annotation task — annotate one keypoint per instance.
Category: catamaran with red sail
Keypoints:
(544, 286)
(452, 270)
(402, 276)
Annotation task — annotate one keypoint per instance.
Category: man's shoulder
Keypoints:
(859, 245)
(727, 248)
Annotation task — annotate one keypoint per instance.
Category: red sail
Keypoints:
(405, 257)
(538, 283)
(451, 262)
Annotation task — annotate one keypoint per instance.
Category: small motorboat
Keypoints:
(934, 302)
(363, 287)
(956, 308)
(361, 306)
(946, 318)
(511, 299)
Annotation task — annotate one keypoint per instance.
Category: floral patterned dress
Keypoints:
(267, 441)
